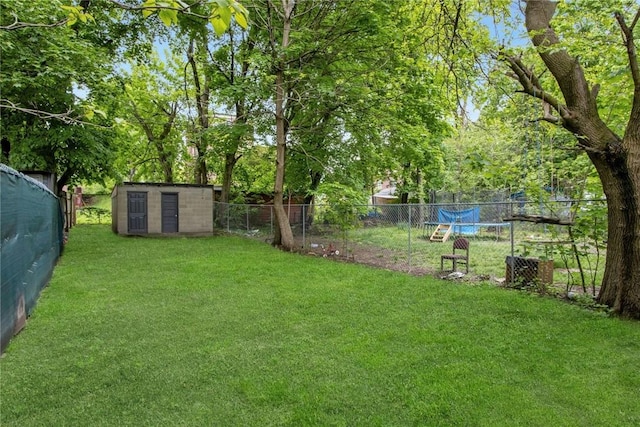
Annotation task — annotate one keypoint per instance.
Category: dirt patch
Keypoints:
(386, 259)
(391, 260)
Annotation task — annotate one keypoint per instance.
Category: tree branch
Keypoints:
(143, 123)
(63, 117)
(185, 10)
(16, 24)
(532, 86)
(579, 113)
(628, 39)
(565, 69)
(538, 219)
(171, 117)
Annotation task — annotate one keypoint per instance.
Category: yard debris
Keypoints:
(454, 276)
(330, 251)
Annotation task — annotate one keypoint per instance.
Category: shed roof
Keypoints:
(386, 193)
(167, 184)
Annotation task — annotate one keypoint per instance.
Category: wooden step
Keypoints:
(441, 233)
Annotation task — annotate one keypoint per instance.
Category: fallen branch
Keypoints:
(538, 219)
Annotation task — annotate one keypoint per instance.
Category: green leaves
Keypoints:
(168, 17)
(241, 14)
(149, 8)
(77, 13)
(222, 11)
(50, 75)
(343, 204)
(167, 10)
(219, 13)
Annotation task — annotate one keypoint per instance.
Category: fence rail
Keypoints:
(524, 243)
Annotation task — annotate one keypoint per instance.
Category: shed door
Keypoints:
(169, 212)
(137, 212)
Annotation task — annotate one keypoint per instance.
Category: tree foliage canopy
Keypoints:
(46, 123)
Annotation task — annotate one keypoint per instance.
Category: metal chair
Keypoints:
(461, 257)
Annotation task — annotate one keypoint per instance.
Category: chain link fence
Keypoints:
(525, 244)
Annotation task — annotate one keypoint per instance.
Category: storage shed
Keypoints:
(157, 208)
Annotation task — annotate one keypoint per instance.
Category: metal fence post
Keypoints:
(304, 225)
(513, 251)
(271, 220)
(228, 218)
(409, 233)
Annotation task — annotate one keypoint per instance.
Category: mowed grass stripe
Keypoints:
(228, 331)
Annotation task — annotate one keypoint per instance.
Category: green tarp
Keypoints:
(31, 223)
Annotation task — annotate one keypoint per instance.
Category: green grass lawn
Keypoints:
(97, 211)
(227, 331)
(487, 253)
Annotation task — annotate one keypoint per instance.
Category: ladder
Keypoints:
(441, 233)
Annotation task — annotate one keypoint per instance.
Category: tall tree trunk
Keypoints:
(309, 199)
(200, 174)
(202, 107)
(620, 175)
(284, 235)
(421, 202)
(62, 181)
(166, 163)
(231, 157)
(167, 167)
(617, 160)
(230, 160)
(165, 159)
(406, 177)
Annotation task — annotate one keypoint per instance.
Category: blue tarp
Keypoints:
(467, 216)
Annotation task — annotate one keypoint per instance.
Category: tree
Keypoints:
(45, 125)
(311, 43)
(52, 52)
(279, 46)
(414, 128)
(192, 19)
(254, 171)
(237, 88)
(616, 158)
(431, 73)
(335, 132)
(200, 135)
(153, 101)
